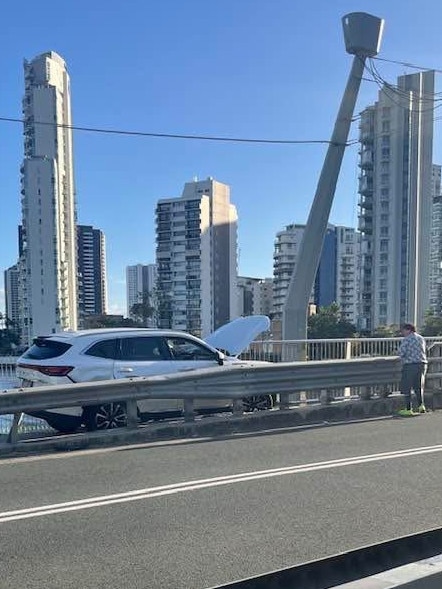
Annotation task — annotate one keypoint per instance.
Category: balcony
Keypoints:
(365, 185)
(366, 136)
(366, 202)
(366, 160)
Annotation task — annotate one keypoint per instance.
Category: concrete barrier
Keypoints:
(394, 563)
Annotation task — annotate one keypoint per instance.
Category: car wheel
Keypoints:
(64, 426)
(109, 416)
(257, 403)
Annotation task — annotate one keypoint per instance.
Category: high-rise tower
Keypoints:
(92, 291)
(395, 188)
(48, 266)
(140, 281)
(197, 258)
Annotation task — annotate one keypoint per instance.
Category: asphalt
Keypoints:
(204, 536)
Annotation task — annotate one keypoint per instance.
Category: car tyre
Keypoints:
(257, 403)
(103, 417)
(64, 425)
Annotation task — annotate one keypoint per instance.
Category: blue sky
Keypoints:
(271, 69)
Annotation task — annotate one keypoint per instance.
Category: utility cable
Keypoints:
(407, 64)
(171, 135)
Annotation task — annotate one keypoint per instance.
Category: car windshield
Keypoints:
(45, 348)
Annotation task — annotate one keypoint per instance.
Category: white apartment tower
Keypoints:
(396, 148)
(48, 265)
(140, 278)
(285, 254)
(347, 255)
(436, 243)
(255, 296)
(196, 258)
(335, 280)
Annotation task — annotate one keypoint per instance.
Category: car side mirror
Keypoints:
(220, 358)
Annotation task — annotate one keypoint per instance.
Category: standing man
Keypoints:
(413, 354)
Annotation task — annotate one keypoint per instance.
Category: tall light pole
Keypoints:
(362, 34)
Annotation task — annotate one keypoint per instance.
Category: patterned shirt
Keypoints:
(413, 349)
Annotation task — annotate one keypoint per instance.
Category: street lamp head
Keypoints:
(362, 33)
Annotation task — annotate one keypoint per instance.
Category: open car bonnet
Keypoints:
(234, 337)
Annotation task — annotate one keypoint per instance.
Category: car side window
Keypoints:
(107, 348)
(142, 349)
(184, 349)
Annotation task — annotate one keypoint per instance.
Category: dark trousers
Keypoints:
(413, 378)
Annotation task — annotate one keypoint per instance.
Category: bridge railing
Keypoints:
(327, 349)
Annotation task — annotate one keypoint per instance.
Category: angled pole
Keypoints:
(362, 34)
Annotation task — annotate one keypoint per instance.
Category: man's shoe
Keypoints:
(406, 412)
(422, 409)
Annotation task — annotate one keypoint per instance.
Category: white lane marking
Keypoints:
(174, 488)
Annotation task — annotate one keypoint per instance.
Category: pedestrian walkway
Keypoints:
(424, 574)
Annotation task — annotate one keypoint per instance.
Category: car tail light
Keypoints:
(48, 370)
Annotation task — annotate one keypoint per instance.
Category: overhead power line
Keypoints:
(172, 135)
(407, 64)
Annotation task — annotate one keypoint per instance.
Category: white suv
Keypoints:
(104, 354)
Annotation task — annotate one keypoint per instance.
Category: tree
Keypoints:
(386, 331)
(328, 323)
(143, 310)
(432, 325)
(9, 339)
(103, 321)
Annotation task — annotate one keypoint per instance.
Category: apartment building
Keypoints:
(11, 276)
(140, 279)
(48, 264)
(336, 278)
(92, 285)
(255, 296)
(196, 257)
(435, 304)
(395, 202)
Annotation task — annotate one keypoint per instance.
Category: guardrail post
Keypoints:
(365, 393)
(284, 401)
(348, 356)
(325, 397)
(238, 408)
(189, 413)
(132, 414)
(13, 432)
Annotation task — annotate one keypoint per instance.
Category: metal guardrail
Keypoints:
(232, 382)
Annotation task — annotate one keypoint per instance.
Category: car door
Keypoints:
(188, 354)
(145, 355)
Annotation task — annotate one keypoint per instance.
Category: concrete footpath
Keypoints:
(424, 574)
